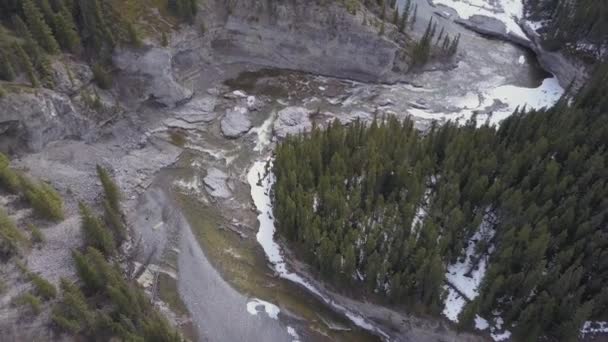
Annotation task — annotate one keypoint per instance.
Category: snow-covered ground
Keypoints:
(594, 327)
(507, 11)
(261, 183)
(465, 276)
(464, 279)
(511, 97)
(453, 304)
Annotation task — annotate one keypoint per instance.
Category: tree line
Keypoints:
(387, 208)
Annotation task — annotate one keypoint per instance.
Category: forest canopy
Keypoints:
(389, 208)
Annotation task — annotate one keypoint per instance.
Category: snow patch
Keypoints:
(453, 304)
(293, 333)
(591, 327)
(505, 335)
(521, 60)
(480, 323)
(464, 275)
(271, 310)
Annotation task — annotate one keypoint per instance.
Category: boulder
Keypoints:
(215, 182)
(292, 120)
(235, 123)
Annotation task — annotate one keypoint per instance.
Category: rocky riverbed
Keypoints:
(185, 123)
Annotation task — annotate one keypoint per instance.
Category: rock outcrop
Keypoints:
(307, 36)
(147, 75)
(201, 109)
(566, 69)
(29, 119)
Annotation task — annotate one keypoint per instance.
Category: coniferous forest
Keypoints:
(387, 208)
(579, 25)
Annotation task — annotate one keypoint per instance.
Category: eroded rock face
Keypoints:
(303, 35)
(32, 118)
(148, 75)
(566, 69)
(292, 120)
(235, 123)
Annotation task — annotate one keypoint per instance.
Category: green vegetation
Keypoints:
(37, 238)
(31, 30)
(9, 179)
(95, 233)
(114, 218)
(423, 48)
(43, 198)
(43, 288)
(30, 301)
(106, 306)
(10, 237)
(386, 208)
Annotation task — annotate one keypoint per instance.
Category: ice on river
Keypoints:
(511, 97)
(507, 11)
(261, 181)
